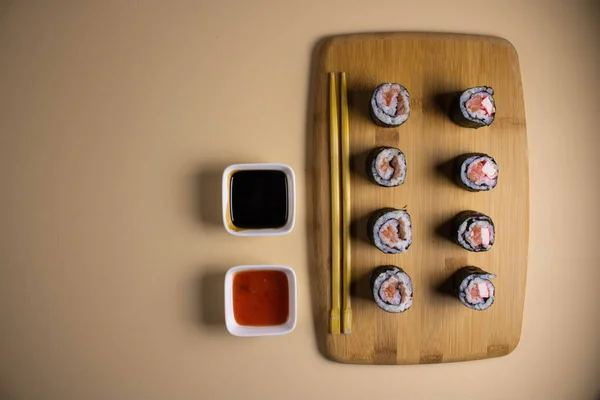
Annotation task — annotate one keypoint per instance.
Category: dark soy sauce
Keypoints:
(259, 199)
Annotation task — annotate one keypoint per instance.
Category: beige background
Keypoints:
(115, 121)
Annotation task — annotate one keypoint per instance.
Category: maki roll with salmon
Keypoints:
(392, 289)
(390, 230)
(473, 231)
(474, 108)
(390, 105)
(476, 172)
(386, 166)
(474, 288)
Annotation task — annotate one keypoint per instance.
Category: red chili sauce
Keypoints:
(260, 298)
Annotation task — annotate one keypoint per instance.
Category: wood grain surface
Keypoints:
(437, 328)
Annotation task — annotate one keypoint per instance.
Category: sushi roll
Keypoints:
(390, 105)
(386, 166)
(476, 172)
(474, 108)
(390, 230)
(392, 289)
(474, 288)
(473, 231)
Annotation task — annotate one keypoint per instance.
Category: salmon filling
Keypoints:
(481, 103)
(390, 96)
(391, 102)
(390, 169)
(393, 291)
(479, 291)
(392, 232)
(480, 236)
(479, 172)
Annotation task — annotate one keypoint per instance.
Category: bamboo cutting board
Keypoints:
(437, 328)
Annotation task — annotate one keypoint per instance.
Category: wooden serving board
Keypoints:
(437, 328)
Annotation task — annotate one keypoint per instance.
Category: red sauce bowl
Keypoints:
(260, 300)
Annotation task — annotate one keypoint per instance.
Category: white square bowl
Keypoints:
(241, 330)
(291, 198)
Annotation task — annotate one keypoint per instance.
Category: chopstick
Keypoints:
(346, 249)
(334, 156)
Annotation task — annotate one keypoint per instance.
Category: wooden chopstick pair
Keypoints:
(340, 230)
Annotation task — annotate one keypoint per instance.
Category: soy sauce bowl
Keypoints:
(259, 199)
(267, 289)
